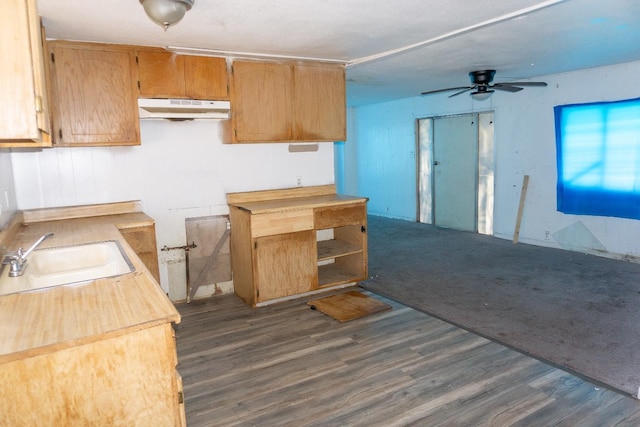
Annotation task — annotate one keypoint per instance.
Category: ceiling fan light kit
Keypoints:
(166, 12)
(481, 82)
(481, 94)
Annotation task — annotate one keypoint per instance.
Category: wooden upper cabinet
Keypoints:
(24, 121)
(165, 74)
(206, 77)
(320, 113)
(288, 102)
(94, 86)
(262, 104)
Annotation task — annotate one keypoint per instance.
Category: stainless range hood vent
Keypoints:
(183, 109)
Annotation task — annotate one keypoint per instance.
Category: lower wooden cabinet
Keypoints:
(296, 241)
(126, 380)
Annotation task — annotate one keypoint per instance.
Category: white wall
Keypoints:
(7, 189)
(181, 170)
(380, 154)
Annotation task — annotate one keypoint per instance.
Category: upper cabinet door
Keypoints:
(165, 74)
(262, 98)
(96, 95)
(320, 106)
(206, 78)
(161, 74)
(23, 95)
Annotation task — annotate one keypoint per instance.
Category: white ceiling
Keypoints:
(393, 49)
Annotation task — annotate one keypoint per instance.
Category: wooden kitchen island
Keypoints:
(297, 241)
(95, 353)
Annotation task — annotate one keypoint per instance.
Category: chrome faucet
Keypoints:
(17, 260)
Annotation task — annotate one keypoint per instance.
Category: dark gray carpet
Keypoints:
(578, 312)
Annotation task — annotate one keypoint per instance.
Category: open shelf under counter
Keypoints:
(333, 274)
(330, 249)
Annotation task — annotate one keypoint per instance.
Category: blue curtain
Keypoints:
(598, 158)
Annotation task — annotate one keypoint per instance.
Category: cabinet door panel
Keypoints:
(96, 95)
(262, 99)
(123, 380)
(161, 74)
(206, 78)
(23, 97)
(285, 265)
(320, 113)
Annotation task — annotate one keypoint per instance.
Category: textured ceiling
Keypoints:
(392, 49)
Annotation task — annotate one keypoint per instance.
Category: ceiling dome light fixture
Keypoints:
(166, 12)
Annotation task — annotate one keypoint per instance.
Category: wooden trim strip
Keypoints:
(70, 212)
(284, 193)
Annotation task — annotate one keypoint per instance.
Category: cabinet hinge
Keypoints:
(255, 245)
(257, 293)
(60, 133)
(180, 397)
(53, 57)
(137, 59)
(138, 84)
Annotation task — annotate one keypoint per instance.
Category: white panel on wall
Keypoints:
(181, 170)
(8, 203)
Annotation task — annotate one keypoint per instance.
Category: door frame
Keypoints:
(485, 169)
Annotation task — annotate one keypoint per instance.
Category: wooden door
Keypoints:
(320, 106)
(23, 96)
(161, 74)
(206, 78)
(96, 94)
(285, 264)
(262, 101)
(128, 379)
(455, 153)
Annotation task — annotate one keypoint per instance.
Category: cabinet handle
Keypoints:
(363, 229)
(39, 106)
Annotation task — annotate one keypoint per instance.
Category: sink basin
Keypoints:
(68, 264)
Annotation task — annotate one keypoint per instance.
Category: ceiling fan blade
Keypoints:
(506, 87)
(445, 90)
(539, 84)
(462, 91)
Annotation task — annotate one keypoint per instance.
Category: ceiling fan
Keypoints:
(481, 82)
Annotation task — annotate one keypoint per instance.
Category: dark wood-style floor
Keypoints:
(287, 365)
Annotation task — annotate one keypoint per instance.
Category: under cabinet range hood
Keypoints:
(183, 109)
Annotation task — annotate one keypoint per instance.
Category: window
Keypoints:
(598, 155)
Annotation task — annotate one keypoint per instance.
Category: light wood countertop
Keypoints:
(50, 319)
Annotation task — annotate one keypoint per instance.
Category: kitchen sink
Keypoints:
(68, 265)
